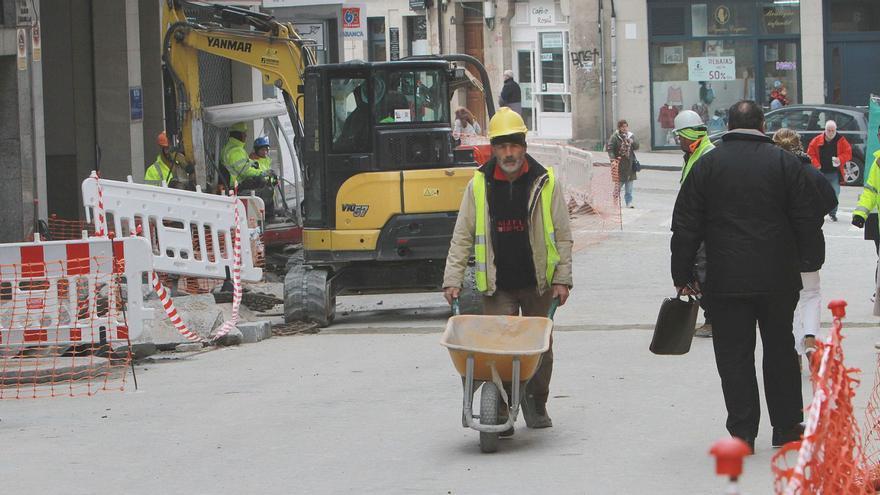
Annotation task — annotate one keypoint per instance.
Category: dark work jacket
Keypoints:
(510, 92)
(827, 198)
(754, 206)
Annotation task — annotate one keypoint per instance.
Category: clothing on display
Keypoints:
(674, 96)
(667, 116)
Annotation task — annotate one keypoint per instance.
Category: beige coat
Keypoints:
(461, 247)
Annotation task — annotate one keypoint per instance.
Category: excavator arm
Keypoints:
(273, 48)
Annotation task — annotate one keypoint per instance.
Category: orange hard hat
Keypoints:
(162, 140)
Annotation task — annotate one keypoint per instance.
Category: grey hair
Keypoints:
(830, 122)
(508, 73)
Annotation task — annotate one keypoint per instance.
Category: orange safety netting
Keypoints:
(595, 206)
(831, 457)
(63, 329)
(65, 230)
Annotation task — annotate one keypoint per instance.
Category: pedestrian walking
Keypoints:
(828, 151)
(753, 205)
(808, 313)
(869, 201)
(514, 218)
(692, 136)
(621, 150)
(511, 94)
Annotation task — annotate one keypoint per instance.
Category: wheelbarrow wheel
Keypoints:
(489, 398)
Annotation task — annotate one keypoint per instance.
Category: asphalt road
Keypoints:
(373, 404)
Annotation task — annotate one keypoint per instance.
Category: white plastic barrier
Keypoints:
(573, 167)
(69, 291)
(189, 232)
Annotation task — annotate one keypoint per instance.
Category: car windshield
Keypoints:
(404, 96)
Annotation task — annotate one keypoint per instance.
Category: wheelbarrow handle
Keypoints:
(456, 307)
(553, 305)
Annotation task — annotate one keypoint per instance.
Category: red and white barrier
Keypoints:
(69, 291)
(236, 280)
(171, 311)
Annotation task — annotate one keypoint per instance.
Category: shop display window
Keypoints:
(854, 16)
(705, 76)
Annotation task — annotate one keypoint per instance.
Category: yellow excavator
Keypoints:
(382, 178)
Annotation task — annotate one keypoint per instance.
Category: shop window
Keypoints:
(376, 38)
(704, 76)
(854, 16)
(417, 29)
(780, 19)
(668, 21)
(780, 69)
(722, 18)
(351, 115)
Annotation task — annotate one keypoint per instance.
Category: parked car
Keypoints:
(809, 121)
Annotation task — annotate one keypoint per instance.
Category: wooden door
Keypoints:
(473, 46)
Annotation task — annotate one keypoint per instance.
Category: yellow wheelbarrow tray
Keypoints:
(491, 352)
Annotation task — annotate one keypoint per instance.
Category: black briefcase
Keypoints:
(675, 326)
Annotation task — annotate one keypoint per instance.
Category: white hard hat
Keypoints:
(686, 119)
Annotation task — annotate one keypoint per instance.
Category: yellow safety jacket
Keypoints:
(481, 203)
(869, 198)
(237, 162)
(157, 172)
(704, 145)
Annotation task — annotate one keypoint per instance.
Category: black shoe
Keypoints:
(833, 217)
(782, 436)
(748, 440)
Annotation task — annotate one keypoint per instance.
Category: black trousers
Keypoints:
(733, 336)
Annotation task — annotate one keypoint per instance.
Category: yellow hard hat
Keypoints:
(239, 127)
(506, 122)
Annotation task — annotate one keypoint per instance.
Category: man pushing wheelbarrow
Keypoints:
(514, 219)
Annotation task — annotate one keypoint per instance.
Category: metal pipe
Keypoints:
(614, 114)
(604, 126)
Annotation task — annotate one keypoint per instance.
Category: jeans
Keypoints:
(833, 178)
(627, 192)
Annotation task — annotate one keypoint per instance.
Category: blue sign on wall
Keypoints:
(136, 102)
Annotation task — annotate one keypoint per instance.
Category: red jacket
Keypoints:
(844, 151)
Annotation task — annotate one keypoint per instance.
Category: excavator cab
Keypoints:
(384, 180)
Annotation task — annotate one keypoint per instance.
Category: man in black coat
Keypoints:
(754, 206)
(511, 95)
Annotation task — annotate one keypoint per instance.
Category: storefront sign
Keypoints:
(780, 20)
(711, 68)
(784, 65)
(416, 4)
(543, 14)
(394, 42)
(136, 102)
(546, 57)
(354, 21)
(36, 42)
(21, 41)
(730, 19)
(314, 32)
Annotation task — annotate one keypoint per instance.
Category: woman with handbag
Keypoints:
(621, 150)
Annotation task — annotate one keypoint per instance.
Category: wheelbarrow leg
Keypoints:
(467, 414)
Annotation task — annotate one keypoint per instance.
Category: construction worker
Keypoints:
(163, 169)
(869, 201)
(513, 216)
(264, 184)
(692, 136)
(234, 156)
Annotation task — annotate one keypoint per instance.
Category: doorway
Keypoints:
(525, 75)
(854, 91)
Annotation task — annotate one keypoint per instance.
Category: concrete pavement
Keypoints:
(373, 404)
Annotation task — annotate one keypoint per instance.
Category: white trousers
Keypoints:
(808, 312)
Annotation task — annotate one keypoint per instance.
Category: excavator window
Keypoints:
(405, 96)
(351, 115)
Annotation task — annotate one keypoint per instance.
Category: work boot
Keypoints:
(782, 436)
(704, 331)
(535, 413)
